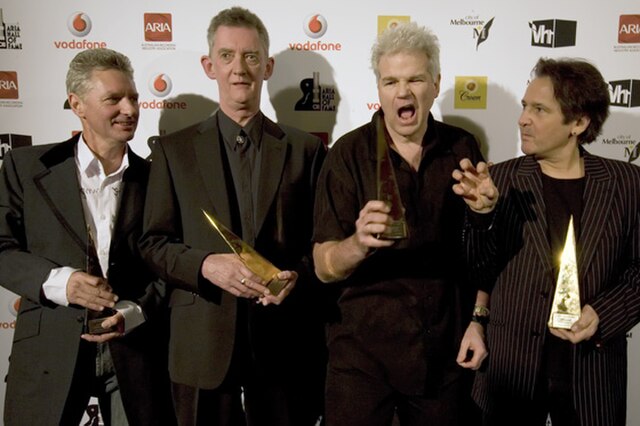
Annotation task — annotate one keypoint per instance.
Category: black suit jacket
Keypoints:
(514, 258)
(42, 226)
(189, 173)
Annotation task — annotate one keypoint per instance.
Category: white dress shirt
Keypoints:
(100, 196)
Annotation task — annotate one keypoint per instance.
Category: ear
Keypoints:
(76, 104)
(436, 82)
(268, 71)
(207, 66)
(580, 125)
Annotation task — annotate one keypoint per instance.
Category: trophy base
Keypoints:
(397, 230)
(94, 319)
(276, 285)
(564, 321)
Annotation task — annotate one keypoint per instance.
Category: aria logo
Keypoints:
(160, 85)
(79, 24)
(553, 33)
(625, 93)
(315, 26)
(629, 29)
(157, 27)
(9, 85)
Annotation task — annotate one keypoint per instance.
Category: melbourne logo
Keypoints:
(157, 27)
(625, 93)
(480, 27)
(630, 145)
(315, 26)
(9, 34)
(315, 97)
(553, 33)
(160, 85)
(629, 29)
(9, 85)
(471, 92)
(79, 24)
(390, 21)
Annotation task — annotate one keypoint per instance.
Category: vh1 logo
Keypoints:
(553, 33)
(625, 93)
(9, 141)
(157, 27)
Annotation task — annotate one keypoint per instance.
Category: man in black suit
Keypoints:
(71, 218)
(229, 334)
(578, 375)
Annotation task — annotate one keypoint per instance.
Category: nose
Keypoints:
(523, 120)
(239, 65)
(403, 89)
(129, 106)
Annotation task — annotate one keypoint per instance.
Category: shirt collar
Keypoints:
(229, 129)
(91, 166)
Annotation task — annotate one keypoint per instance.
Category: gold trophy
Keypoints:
(93, 319)
(565, 309)
(250, 257)
(388, 190)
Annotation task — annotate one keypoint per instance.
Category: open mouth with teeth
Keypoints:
(407, 112)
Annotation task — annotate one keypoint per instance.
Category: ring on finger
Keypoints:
(243, 281)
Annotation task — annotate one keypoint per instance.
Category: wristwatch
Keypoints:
(480, 315)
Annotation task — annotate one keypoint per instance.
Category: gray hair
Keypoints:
(407, 37)
(238, 17)
(87, 61)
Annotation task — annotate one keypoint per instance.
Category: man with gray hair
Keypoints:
(231, 336)
(404, 302)
(90, 321)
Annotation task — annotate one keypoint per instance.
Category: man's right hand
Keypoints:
(228, 272)
(90, 291)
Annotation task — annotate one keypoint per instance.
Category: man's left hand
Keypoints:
(270, 299)
(581, 330)
(116, 321)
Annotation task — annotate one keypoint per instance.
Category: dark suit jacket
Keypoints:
(514, 257)
(189, 173)
(42, 226)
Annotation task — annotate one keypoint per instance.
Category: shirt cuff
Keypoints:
(55, 286)
(132, 313)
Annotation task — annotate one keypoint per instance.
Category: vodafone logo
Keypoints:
(160, 85)
(79, 24)
(315, 26)
(14, 306)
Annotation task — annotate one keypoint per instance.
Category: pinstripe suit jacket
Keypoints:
(513, 260)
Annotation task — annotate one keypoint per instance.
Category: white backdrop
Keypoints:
(488, 50)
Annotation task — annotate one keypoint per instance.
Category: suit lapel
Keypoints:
(131, 200)
(208, 155)
(597, 200)
(58, 184)
(272, 163)
(533, 208)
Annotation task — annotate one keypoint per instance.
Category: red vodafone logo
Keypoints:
(160, 85)
(315, 26)
(79, 24)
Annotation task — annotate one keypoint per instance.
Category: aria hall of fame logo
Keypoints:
(314, 96)
(9, 34)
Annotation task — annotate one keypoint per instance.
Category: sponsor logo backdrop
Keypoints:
(323, 82)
